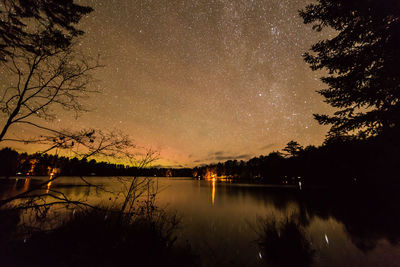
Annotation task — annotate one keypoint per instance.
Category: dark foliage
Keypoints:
(8, 162)
(9, 220)
(11, 163)
(340, 160)
(284, 243)
(369, 214)
(100, 238)
(29, 24)
(362, 61)
(293, 149)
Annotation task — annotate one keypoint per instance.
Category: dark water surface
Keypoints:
(219, 220)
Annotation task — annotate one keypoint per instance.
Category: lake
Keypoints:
(220, 220)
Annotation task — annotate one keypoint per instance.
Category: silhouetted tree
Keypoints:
(362, 61)
(41, 81)
(23, 22)
(293, 148)
(8, 162)
(43, 71)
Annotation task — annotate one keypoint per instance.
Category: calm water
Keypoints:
(219, 219)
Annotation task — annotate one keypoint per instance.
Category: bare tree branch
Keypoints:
(44, 82)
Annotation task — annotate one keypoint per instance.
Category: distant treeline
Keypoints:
(339, 160)
(345, 159)
(13, 163)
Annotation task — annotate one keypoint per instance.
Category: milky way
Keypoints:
(203, 81)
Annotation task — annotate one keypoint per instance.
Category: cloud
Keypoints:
(243, 156)
(221, 156)
(167, 166)
(232, 157)
(217, 153)
(157, 166)
(267, 146)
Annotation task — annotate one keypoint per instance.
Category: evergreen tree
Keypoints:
(293, 149)
(363, 63)
(25, 24)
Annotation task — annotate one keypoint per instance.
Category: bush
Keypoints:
(284, 243)
(100, 237)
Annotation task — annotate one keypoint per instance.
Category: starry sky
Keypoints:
(202, 81)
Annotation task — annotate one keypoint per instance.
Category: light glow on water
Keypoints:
(213, 191)
(229, 226)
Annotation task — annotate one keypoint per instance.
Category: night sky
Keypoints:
(202, 81)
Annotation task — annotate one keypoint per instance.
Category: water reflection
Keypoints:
(48, 186)
(52, 173)
(345, 229)
(213, 191)
(26, 184)
(326, 239)
(284, 242)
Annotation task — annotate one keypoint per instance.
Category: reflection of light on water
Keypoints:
(26, 183)
(326, 239)
(213, 191)
(49, 183)
(48, 187)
